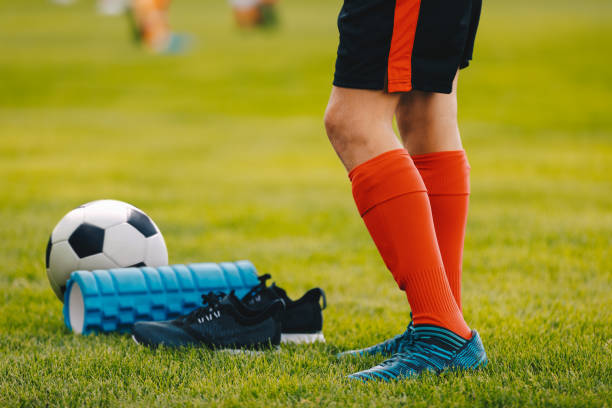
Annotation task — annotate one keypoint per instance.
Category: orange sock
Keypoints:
(393, 203)
(447, 178)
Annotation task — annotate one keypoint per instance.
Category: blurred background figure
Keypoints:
(255, 13)
(149, 20)
(111, 7)
(104, 7)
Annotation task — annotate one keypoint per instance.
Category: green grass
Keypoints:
(225, 149)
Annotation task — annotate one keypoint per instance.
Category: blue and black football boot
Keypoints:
(223, 322)
(431, 348)
(302, 320)
(385, 349)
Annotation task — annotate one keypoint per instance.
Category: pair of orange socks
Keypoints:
(419, 236)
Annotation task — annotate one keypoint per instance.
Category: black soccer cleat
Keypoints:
(302, 320)
(222, 323)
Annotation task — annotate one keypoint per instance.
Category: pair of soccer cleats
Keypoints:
(262, 319)
(421, 349)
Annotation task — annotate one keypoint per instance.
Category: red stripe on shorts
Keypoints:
(399, 68)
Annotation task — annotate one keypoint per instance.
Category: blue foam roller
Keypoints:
(108, 300)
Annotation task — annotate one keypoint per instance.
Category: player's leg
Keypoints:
(427, 122)
(246, 12)
(251, 13)
(393, 202)
(387, 187)
(150, 20)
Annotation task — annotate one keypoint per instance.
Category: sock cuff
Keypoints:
(444, 173)
(384, 177)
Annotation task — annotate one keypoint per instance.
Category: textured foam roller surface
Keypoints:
(114, 299)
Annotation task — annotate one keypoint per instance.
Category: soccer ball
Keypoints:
(102, 234)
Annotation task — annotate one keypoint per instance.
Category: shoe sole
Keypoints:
(302, 338)
(229, 350)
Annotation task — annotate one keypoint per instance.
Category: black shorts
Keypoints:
(400, 45)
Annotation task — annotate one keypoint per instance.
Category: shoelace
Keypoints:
(212, 299)
(407, 336)
(257, 289)
(210, 304)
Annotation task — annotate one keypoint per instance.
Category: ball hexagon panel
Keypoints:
(97, 261)
(156, 254)
(142, 223)
(48, 253)
(125, 245)
(67, 225)
(105, 215)
(87, 240)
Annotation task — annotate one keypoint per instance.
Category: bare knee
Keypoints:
(333, 122)
(340, 127)
(353, 138)
(359, 124)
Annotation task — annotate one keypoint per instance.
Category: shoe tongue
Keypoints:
(231, 298)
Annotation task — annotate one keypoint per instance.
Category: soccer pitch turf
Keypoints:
(224, 148)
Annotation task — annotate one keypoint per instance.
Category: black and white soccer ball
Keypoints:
(102, 234)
